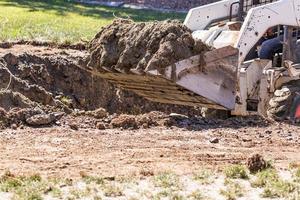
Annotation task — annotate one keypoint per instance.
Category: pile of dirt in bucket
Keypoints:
(125, 45)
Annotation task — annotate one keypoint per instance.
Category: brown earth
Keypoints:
(78, 135)
(125, 45)
(63, 151)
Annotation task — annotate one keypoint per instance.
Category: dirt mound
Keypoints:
(55, 80)
(256, 163)
(124, 45)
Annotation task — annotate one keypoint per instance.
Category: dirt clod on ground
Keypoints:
(41, 119)
(256, 163)
(124, 121)
(124, 45)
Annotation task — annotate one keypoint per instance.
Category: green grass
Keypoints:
(264, 177)
(297, 173)
(63, 21)
(167, 180)
(168, 194)
(278, 188)
(93, 179)
(196, 195)
(273, 185)
(236, 171)
(24, 188)
(112, 190)
(233, 190)
(204, 176)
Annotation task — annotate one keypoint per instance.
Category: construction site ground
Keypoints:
(142, 156)
(82, 145)
(62, 151)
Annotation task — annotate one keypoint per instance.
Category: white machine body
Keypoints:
(256, 79)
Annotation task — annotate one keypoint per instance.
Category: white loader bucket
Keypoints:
(207, 80)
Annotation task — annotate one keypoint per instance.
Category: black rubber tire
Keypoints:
(279, 107)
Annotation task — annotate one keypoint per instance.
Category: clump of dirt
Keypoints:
(124, 121)
(124, 45)
(153, 118)
(146, 120)
(99, 113)
(256, 163)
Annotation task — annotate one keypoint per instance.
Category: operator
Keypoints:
(267, 46)
(270, 47)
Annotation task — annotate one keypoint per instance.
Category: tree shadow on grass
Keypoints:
(61, 7)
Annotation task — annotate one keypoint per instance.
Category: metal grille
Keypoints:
(248, 4)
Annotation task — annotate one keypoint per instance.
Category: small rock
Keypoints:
(6, 45)
(100, 125)
(178, 116)
(2, 113)
(11, 59)
(14, 126)
(246, 139)
(214, 140)
(58, 115)
(268, 132)
(256, 163)
(73, 126)
(146, 172)
(40, 119)
(100, 113)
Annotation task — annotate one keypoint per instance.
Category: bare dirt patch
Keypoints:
(62, 151)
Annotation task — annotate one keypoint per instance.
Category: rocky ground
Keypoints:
(59, 121)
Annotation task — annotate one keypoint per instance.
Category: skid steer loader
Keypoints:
(224, 78)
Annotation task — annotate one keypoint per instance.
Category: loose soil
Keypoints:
(125, 45)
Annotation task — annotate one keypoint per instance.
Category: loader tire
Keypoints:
(282, 105)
